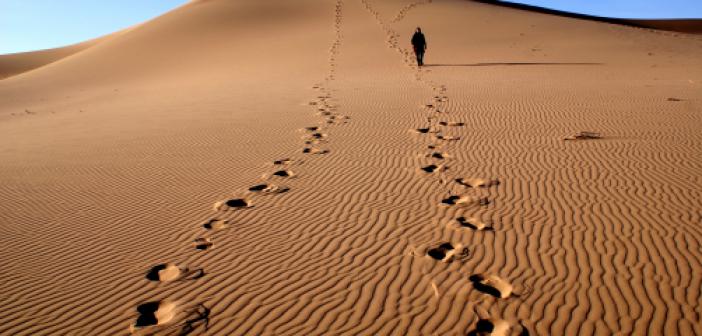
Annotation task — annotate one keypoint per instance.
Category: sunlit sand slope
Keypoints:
(284, 168)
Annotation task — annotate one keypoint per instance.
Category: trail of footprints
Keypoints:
(443, 130)
(172, 316)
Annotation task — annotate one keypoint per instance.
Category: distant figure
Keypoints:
(419, 43)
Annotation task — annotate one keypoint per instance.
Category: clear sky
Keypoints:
(41, 24)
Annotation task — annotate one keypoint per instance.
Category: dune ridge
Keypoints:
(19, 63)
(691, 26)
(141, 204)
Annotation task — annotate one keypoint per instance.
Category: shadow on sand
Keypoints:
(507, 64)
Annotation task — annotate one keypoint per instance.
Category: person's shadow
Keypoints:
(507, 64)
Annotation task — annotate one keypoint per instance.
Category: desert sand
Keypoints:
(284, 168)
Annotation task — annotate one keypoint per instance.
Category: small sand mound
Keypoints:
(492, 284)
(164, 273)
(172, 272)
(216, 224)
(477, 182)
(584, 135)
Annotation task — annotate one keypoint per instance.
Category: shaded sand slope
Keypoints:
(685, 26)
(18, 63)
(14, 64)
(141, 189)
(692, 26)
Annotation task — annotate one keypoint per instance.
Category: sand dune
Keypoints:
(18, 63)
(245, 168)
(15, 64)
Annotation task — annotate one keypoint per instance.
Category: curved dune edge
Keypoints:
(18, 63)
(691, 26)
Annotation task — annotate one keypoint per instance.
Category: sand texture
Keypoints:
(284, 168)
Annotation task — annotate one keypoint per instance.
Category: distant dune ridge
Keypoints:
(15, 64)
(693, 26)
(284, 168)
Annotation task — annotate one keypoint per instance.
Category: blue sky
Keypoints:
(40, 24)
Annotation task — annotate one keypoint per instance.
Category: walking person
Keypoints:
(419, 43)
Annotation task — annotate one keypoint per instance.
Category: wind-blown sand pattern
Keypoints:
(142, 177)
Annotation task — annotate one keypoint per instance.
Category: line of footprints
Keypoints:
(444, 131)
(467, 196)
(170, 316)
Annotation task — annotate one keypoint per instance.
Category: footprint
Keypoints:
(464, 200)
(318, 135)
(216, 224)
(317, 151)
(268, 189)
(172, 272)
(451, 123)
(154, 314)
(433, 168)
(283, 162)
(313, 142)
(474, 223)
(447, 137)
(234, 203)
(477, 182)
(447, 253)
(424, 130)
(492, 327)
(584, 135)
(493, 285)
(202, 244)
(167, 317)
(438, 155)
(283, 173)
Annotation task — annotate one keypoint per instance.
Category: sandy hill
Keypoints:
(19, 63)
(284, 168)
